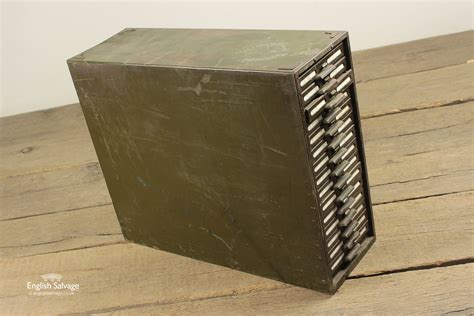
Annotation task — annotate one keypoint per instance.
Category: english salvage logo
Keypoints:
(52, 285)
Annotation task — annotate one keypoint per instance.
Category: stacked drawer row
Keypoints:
(327, 96)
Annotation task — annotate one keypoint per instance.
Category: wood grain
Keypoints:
(58, 190)
(415, 56)
(58, 137)
(420, 153)
(417, 91)
(405, 233)
(404, 162)
(56, 216)
(59, 231)
(436, 291)
(44, 140)
(161, 283)
(399, 150)
(421, 232)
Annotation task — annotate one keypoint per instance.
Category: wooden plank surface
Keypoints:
(421, 232)
(405, 234)
(421, 153)
(415, 56)
(56, 146)
(44, 146)
(56, 214)
(72, 146)
(408, 92)
(58, 190)
(44, 140)
(82, 228)
(437, 291)
(109, 282)
(403, 164)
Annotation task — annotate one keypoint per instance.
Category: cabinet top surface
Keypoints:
(258, 50)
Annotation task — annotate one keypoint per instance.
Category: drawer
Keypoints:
(328, 104)
(323, 67)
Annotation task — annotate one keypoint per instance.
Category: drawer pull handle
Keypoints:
(340, 168)
(350, 242)
(349, 229)
(335, 143)
(338, 156)
(349, 216)
(334, 128)
(337, 100)
(328, 86)
(332, 115)
(326, 71)
(344, 194)
(342, 181)
(353, 253)
(346, 206)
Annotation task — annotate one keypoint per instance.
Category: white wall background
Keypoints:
(37, 37)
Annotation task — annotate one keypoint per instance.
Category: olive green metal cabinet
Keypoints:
(241, 148)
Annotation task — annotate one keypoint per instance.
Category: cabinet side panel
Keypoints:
(207, 164)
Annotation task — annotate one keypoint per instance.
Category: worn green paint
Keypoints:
(259, 50)
(207, 160)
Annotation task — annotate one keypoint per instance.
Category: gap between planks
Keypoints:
(454, 262)
(376, 170)
(212, 286)
(400, 127)
(413, 72)
(414, 56)
(374, 204)
(428, 284)
(443, 264)
(391, 229)
(209, 280)
(389, 95)
(421, 108)
(363, 118)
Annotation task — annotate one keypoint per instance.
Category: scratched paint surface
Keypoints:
(204, 162)
(262, 50)
(207, 164)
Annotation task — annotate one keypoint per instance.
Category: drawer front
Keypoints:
(337, 160)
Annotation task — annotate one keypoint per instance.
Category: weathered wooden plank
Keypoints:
(451, 182)
(391, 127)
(436, 291)
(421, 232)
(415, 56)
(44, 140)
(111, 281)
(59, 231)
(407, 232)
(416, 91)
(116, 275)
(407, 237)
(420, 153)
(406, 160)
(410, 171)
(58, 190)
(58, 137)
